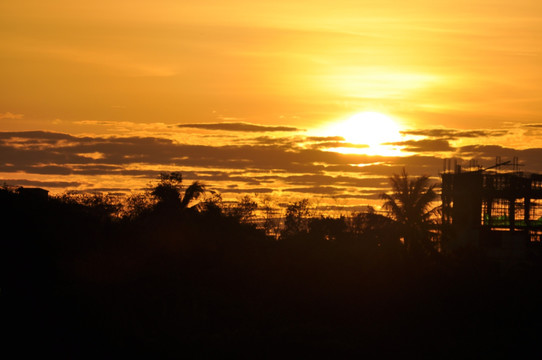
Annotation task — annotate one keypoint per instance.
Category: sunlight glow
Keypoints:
(377, 82)
(374, 130)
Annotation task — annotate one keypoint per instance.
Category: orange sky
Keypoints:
(140, 68)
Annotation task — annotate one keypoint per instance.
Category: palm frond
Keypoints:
(193, 192)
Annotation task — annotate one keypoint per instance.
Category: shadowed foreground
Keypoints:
(77, 282)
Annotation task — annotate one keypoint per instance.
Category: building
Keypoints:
(33, 193)
(498, 209)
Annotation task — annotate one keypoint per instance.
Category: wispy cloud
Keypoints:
(9, 115)
(433, 145)
(37, 183)
(453, 134)
(337, 144)
(239, 126)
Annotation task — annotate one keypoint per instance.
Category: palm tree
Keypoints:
(411, 205)
(168, 192)
(192, 193)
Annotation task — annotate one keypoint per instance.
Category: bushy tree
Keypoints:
(212, 204)
(97, 203)
(244, 210)
(374, 229)
(327, 228)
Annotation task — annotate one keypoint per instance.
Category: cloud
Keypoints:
(486, 151)
(337, 144)
(8, 115)
(323, 190)
(424, 145)
(339, 180)
(290, 141)
(36, 183)
(239, 126)
(312, 142)
(453, 134)
(324, 138)
(62, 152)
(330, 142)
(245, 191)
(261, 166)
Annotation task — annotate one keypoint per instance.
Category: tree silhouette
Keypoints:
(244, 210)
(374, 229)
(327, 228)
(98, 204)
(297, 217)
(207, 284)
(411, 205)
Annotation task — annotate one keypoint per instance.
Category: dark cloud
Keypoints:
(336, 144)
(223, 176)
(108, 190)
(262, 166)
(322, 190)
(529, 159)
(245, 191)
(452, 134)
(239, 126)
(316, 191)
(313, 142)
(285, 157)
(343, 208)
(414, 165)
(339, 180)
(290, 141)
(38, 135)
(118, 153)
(424, 145)
(35, 183)
(486, 150)
(324, 138)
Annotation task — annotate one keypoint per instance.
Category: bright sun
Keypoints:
(369, 130)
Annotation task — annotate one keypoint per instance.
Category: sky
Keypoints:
(282, 99)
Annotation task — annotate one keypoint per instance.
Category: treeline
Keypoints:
(171, 273)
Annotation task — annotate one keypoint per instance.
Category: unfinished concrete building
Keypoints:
(497, 208)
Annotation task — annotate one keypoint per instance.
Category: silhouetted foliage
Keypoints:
(168, 192)
(297, 217)
(327, 228)
(213, 205)
(378, 229)
(76, 283)
(271, 219)
(136, 205)
(99, 204)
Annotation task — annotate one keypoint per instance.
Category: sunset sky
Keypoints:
(289, 99)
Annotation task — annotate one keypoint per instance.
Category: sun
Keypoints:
(368, 132)
(368, 128)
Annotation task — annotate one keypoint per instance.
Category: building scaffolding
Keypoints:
(499, 207)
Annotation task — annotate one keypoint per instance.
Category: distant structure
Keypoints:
(497, 208)
(33, 193)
